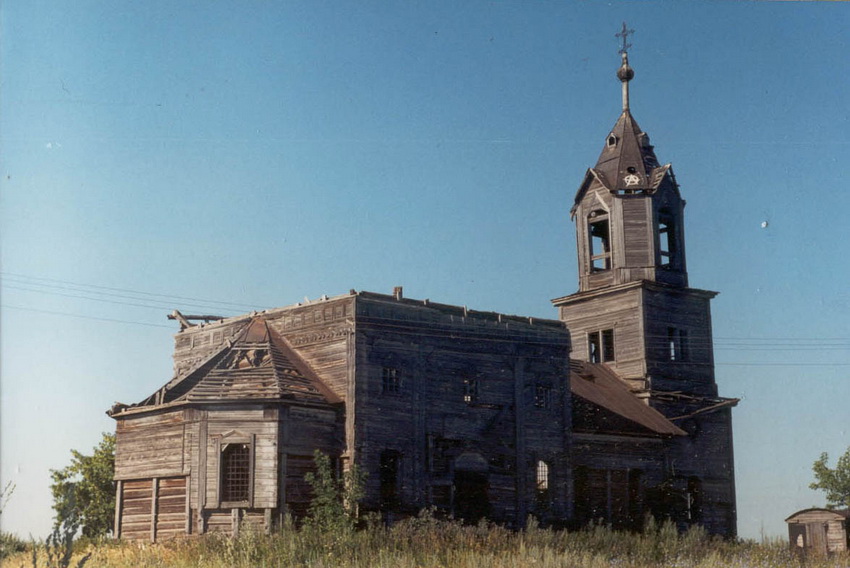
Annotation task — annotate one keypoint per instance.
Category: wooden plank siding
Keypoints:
(428, 423)
(152, 509)
(618, 310)
(820, 530)
(150, 446)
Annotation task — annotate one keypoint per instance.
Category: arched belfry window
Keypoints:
(667, 239)
(599, 240)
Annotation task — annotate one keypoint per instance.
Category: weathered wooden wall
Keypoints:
(619, 309)
(428, 422)
(613, 475)
(820, 530)
(707, 454)
(689, 310)
(151, 445)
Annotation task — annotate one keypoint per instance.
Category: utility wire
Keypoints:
(8, 306)
(69, 285)
(150, 300)
(410, 349)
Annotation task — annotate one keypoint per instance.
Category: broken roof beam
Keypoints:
(185, 320)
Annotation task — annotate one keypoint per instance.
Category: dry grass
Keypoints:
(429, 542)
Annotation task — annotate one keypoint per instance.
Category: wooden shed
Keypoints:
(821, 530)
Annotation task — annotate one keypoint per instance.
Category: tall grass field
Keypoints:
(426, 541)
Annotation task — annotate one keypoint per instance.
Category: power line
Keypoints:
(83, 317)
(410, 349)
(152, 300)
(66, 284)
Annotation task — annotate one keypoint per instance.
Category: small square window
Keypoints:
(542, 396)
(391, 380)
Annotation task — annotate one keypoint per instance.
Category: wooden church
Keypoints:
(608, 414)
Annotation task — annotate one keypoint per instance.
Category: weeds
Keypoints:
(58, 547)
(429, 541)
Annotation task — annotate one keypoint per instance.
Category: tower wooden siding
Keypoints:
(685, 310)
(636, 284)
(618, 309)
(634, 238)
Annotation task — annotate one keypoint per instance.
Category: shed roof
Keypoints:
(816, 514)
(597, 384)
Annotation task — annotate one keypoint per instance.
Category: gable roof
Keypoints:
(258, 364)
(615, 405)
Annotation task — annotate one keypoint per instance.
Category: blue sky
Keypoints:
(237, 155)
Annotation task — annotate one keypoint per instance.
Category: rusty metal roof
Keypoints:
(598, 385)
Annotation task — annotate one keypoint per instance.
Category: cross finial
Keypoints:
(624, 35)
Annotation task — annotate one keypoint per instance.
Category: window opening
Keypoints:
(388, 472)
(542, 476)
(470, 391)
(601, 346)
(599, 241)
(636, 513)
(391, 380)
(666, 238)
(542, 396)
(235, 472)
(694, 499)
(677, 344)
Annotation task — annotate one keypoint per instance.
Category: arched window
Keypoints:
(542, 476)
(599, 240)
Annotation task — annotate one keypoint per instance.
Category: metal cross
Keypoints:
(625, 35)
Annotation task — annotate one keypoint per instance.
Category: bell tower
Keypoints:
(634, 309)
(636, 313)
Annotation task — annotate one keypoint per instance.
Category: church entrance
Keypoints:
(471, 488)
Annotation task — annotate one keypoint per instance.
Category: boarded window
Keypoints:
(235, 473)
(390, 380)
(599, 241)
(601, 346)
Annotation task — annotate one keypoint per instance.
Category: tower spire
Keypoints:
(625, 73)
